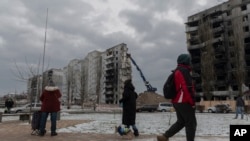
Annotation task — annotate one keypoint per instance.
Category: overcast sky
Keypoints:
(154, 31)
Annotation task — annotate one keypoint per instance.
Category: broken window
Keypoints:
(231, 43)
(230, 33)
(109, 53)
(232, 65)
(245, 18)
(232, 54)
(247, 40)
(243, 7)
(246, 28)
(228, 13)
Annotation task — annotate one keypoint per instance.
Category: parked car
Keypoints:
(26, 108)
(149, 108)
(165, 107)
(220, 108)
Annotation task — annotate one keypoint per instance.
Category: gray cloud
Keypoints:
(78, 27)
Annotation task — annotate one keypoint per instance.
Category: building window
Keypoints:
(232, 54)
(109, 53)
(246, 28)
(232, 65)
(243, 7)
(230, 33)
(247, 40)
(231, 43)
(245, 18)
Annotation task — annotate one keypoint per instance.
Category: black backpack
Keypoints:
(169, 90)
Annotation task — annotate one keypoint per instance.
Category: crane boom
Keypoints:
(147, 84)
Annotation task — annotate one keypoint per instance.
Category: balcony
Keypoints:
(217, 19)
(218, 30)
(110, 67)
(109, 93)
(109, 61)
(110, 71)
(191, 29)
(109, 81)
(198, 46)
(218, 40)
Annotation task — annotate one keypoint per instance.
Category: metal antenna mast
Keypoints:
(44, 46)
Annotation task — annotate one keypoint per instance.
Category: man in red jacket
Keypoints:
(50, 105)
(183, 102)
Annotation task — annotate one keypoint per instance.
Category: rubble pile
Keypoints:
(150, 98)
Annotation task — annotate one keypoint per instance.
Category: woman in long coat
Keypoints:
(128, 101)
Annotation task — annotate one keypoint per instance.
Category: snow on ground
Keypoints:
(209, 125)
(154, 123)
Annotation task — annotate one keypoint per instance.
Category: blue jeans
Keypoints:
(239, 110)
(44, 116)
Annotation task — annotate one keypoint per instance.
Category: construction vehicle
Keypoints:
(147, 84)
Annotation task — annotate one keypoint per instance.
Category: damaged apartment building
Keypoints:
(98, 78)
(218, 40)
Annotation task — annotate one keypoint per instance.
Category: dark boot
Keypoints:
(136, 133)
(53, 134)
(41, 134)
(162, 138)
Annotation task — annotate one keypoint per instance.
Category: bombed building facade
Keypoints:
(98, 78)
(218, 40)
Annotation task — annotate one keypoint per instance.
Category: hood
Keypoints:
(128, 85)
(184, 59)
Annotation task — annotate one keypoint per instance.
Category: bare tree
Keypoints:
(29, 73)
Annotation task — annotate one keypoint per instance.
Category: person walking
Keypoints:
(50, 105)
(240, 104)
(183, 102)
(128, 101)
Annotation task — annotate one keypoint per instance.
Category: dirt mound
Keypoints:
(150, 98)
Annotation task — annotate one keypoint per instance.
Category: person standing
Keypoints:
(50, 105)
(183, 102)
(240, 104)
(128, 101)
(9, 104)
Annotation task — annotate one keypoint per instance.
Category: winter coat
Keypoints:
(9, 103)
(50, 99)
(128, 101)
(240, 102)
(184, 85)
